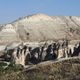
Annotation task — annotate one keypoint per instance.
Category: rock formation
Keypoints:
(40, 27)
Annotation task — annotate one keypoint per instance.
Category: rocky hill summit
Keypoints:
(40, 27)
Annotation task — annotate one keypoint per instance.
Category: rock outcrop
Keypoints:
(40, 27)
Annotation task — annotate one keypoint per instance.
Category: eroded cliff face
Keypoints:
(41, 27)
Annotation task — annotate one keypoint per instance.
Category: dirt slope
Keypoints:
(66, 69)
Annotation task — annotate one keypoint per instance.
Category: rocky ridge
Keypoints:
(41, 27)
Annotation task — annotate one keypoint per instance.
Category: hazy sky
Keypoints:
(13, 9)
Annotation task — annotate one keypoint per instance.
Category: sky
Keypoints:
(11, 10)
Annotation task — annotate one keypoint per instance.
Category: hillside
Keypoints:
(40, 27)
(65, 69)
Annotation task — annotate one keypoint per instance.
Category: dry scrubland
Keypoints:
(65, 69)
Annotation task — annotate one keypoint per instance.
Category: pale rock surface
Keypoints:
(41, 27)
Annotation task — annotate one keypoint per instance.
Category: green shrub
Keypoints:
(2, 67)
(7, 69)
(3, 64)
(16, 67)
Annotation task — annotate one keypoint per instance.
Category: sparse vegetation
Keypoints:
(8, 69)
(67, 69)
